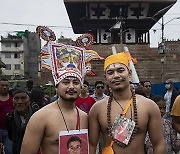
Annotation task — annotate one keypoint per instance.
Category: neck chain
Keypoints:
(62, 116)
(78, 118)
(109, 119)
(122, 107)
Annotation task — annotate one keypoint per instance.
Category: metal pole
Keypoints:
(162, 70)
(121, 21)
(121, 40)
(163, 46)
(162, 28)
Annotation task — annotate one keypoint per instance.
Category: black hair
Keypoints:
(29, 84)
(3, 79)
(98, 82)
(142, 82)
(37, 95)
(86, 83)
(169, 81)
(157, 98)
(73, 139)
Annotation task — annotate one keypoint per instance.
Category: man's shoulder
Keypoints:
(145, 103)
(143, 99)
(45, 111)
(100, 105)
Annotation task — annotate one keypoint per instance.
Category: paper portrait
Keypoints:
(122, 129)
(73, 142)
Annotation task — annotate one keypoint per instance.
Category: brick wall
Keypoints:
(149, 66)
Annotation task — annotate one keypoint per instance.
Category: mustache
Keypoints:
(118, 80)
(71, 91)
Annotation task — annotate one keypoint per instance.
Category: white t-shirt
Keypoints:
(167, 98)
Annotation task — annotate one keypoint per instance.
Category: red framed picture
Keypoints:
(74, 142)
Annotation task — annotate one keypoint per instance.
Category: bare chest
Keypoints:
(57, 123)
(140, 115)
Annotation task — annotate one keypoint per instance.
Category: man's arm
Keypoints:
(155, 129)
(33, 134)
(94, 129)
(176, 123)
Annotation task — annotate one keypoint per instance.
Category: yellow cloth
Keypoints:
(134, 60)
(176, 107)
(116, 58)
(109, 149)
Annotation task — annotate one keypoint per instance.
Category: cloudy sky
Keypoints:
(53, 12)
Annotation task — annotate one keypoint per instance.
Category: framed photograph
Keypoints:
(74, 142)
(122, 129)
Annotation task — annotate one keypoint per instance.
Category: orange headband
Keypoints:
(116, 58)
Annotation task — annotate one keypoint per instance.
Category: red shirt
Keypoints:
(85, 104)
(5, 107)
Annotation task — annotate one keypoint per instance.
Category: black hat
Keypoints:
(19, 90)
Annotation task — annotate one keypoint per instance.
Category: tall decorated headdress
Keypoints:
(85, 41)
(64, 60)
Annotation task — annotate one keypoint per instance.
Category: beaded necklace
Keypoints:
(78, 118)
(109, 120)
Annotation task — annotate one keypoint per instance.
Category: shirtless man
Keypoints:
(43, 128)
(144, 112)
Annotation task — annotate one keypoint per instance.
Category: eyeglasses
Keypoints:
(77, 148)
(147, 86)
(98, 87)
(85, 86)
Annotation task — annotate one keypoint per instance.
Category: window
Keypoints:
(7, 55)
(8, 66)
(16, 55)
(7, 44)
(17, 44)
(17, 66)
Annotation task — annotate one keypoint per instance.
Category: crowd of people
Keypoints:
(30, 123)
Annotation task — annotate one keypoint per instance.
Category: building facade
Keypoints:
(116, 21)
(20, 55)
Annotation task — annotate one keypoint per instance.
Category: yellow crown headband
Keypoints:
(116, 58)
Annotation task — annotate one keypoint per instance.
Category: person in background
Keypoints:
(147, 88)
(17, 119)
(99, 91)
(175, 113)
(170, 96)
(1, 146)
(29, 86)
(55, 97)
(170, 135)
(6, 105)
(84, 101)
(98, 95)
(37, 98)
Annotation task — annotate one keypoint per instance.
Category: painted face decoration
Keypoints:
(69, 58)
(66, 61)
